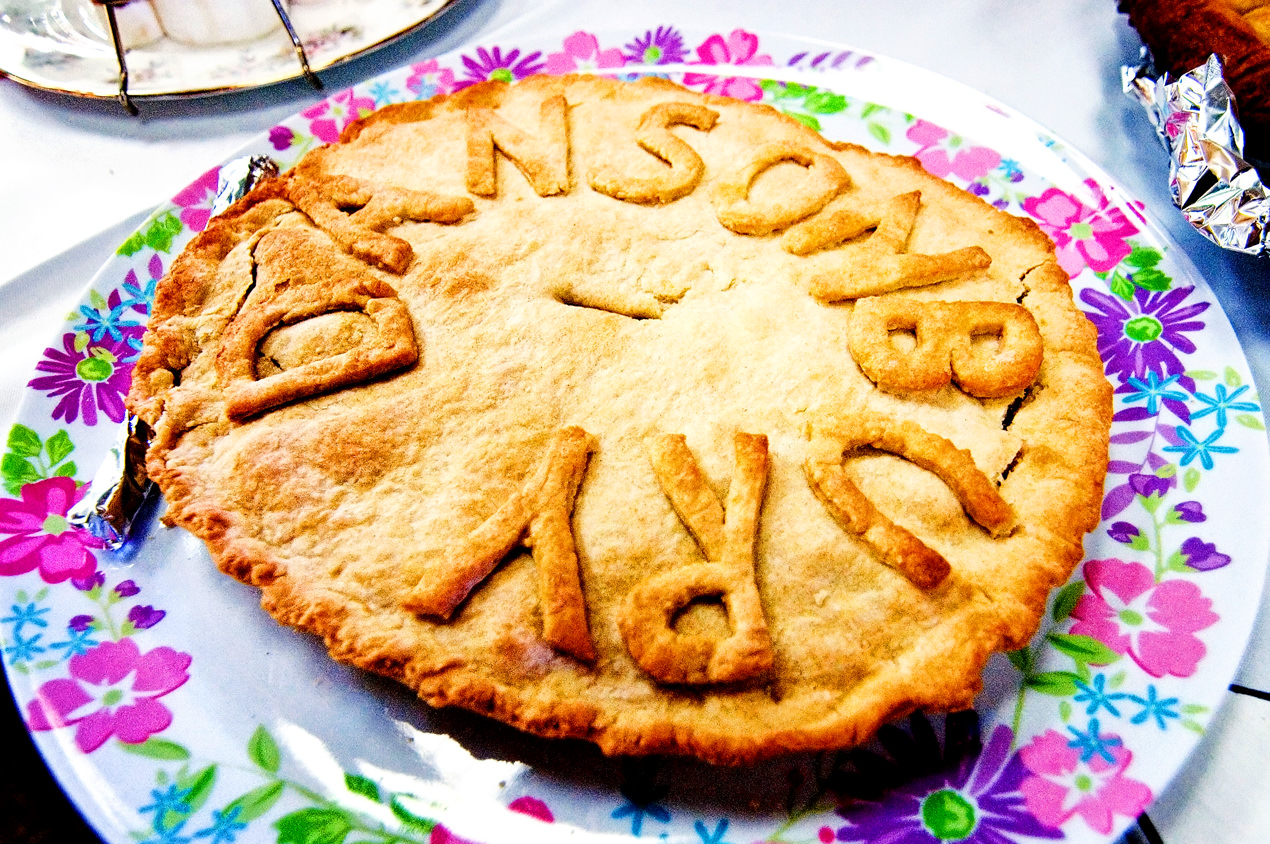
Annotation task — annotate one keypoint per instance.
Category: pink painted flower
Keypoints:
(428, 79)
(739, 48)
(1093, 237)
(533, 807)
(196, 200)
(113, 690)
(581, 53)
(329, 117)
(1067, 782)
(1154, 623)
(942, 153)
(38, 536)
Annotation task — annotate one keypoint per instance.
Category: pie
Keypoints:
(620, 412)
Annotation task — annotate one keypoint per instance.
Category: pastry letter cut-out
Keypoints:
(683, 166)
(896, 545)
(736, 210)
(990, 349)
(726, 536)
(392, 346)
(355, 215)
(543, 160)
(880, 263)
(536, 516)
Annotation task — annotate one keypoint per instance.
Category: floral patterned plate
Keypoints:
(62, 45)
(173, 709)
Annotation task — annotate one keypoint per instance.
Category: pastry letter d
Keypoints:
(647, 618)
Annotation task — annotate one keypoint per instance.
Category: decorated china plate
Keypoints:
(172, 708)
(65, 46)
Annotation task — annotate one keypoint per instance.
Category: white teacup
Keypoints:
(211, 22)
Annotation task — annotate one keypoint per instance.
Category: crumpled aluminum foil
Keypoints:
(120, 488)
(1219, 193)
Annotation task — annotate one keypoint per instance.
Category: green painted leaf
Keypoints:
(1143, 256)
(134, 244)
(257, 802)
(24, 442)
(17, 472)
(1190, 478)
(1248, 420)
(59, 446)
(1152, 280)
(1085, 650)
(871, 109)
(157, 748)
(1056, 683)
(162, 232)
(66, 470)
(1121, 286)
(826, 102)
(314, 826)
(1065, 600)
(1233, 379)
(1194, 708)
(883, 134)
(197, 787)
(1065, 710)
(408, 816)
(806, 119)
(1201, 374)
(363, 786)
(1021, 659)
(1193, 726)
(263, 750)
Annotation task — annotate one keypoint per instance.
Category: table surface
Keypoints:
(79, 175)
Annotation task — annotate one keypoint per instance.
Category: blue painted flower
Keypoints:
(1097, 696)
(1093, 743)
(1192, 448)
(22, 616)
(1222, 402)
(1154, 707)
(1153, 391)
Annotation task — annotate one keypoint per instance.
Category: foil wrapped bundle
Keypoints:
(1220, 194)
(120, 489)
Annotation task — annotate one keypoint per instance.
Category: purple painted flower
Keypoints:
(80, 623)
(113, 689)
(87, 376)
(665, 45)
(127, 588)
(495, 64)
(144, 616)
(1142, 336)
(37, 536)
(89, 582)
(1148, 484)
(1189, 511)
(968, 792)
(1124, 532)
(281, 137)
(1203, 556)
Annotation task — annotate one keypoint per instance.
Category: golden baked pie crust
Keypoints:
(623, 480)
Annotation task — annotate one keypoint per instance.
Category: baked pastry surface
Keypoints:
(625, 413)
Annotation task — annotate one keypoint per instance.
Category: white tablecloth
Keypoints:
(77, 176)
